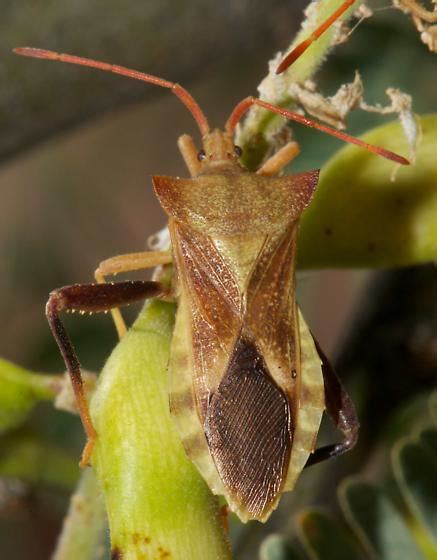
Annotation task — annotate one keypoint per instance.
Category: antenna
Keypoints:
(302, 47)
(186, 98)
(248, 102)
(245, 104)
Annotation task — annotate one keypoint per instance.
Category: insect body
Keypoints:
(248, 385)
(238, 333)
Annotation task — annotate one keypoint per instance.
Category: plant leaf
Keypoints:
(361, 218)
(33, 460)
(324, 539)
(276, 547)
(20, 391)
(415, 468)
(377, 522)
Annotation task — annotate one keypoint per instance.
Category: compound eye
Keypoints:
(238, 151)
(201, 155)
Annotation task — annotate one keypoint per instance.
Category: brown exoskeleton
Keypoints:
(248, 385)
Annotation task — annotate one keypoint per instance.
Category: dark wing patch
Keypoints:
(248, 428)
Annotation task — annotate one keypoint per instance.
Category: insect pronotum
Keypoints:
(248, 384)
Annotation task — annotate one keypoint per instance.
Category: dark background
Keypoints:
(77, 149)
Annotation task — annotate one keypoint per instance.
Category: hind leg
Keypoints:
(341, 409)
(91, 298)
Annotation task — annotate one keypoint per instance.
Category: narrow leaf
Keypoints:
(415, 468)
(276, 547)
(324, 539)
(377, 523)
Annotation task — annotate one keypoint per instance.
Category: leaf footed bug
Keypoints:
(248, 384)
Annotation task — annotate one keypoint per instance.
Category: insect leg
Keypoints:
(341, 409)
(189, 152)
(127, 263)
(92, 298)
(276, 163)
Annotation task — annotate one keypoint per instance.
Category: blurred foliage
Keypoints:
(199, 35)
(31, 459)
(393, 521)
(21, 391)
(391, 210)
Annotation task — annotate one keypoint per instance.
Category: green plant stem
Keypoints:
(256, 133)
(84, 527)
(21, 390)
(158, 505)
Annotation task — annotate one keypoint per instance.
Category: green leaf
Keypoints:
(20, 391)
(276, 547)
(157, 503)
(361, 218)
(325, 539)
(415, 468)
(29, 458)
(378, 524)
